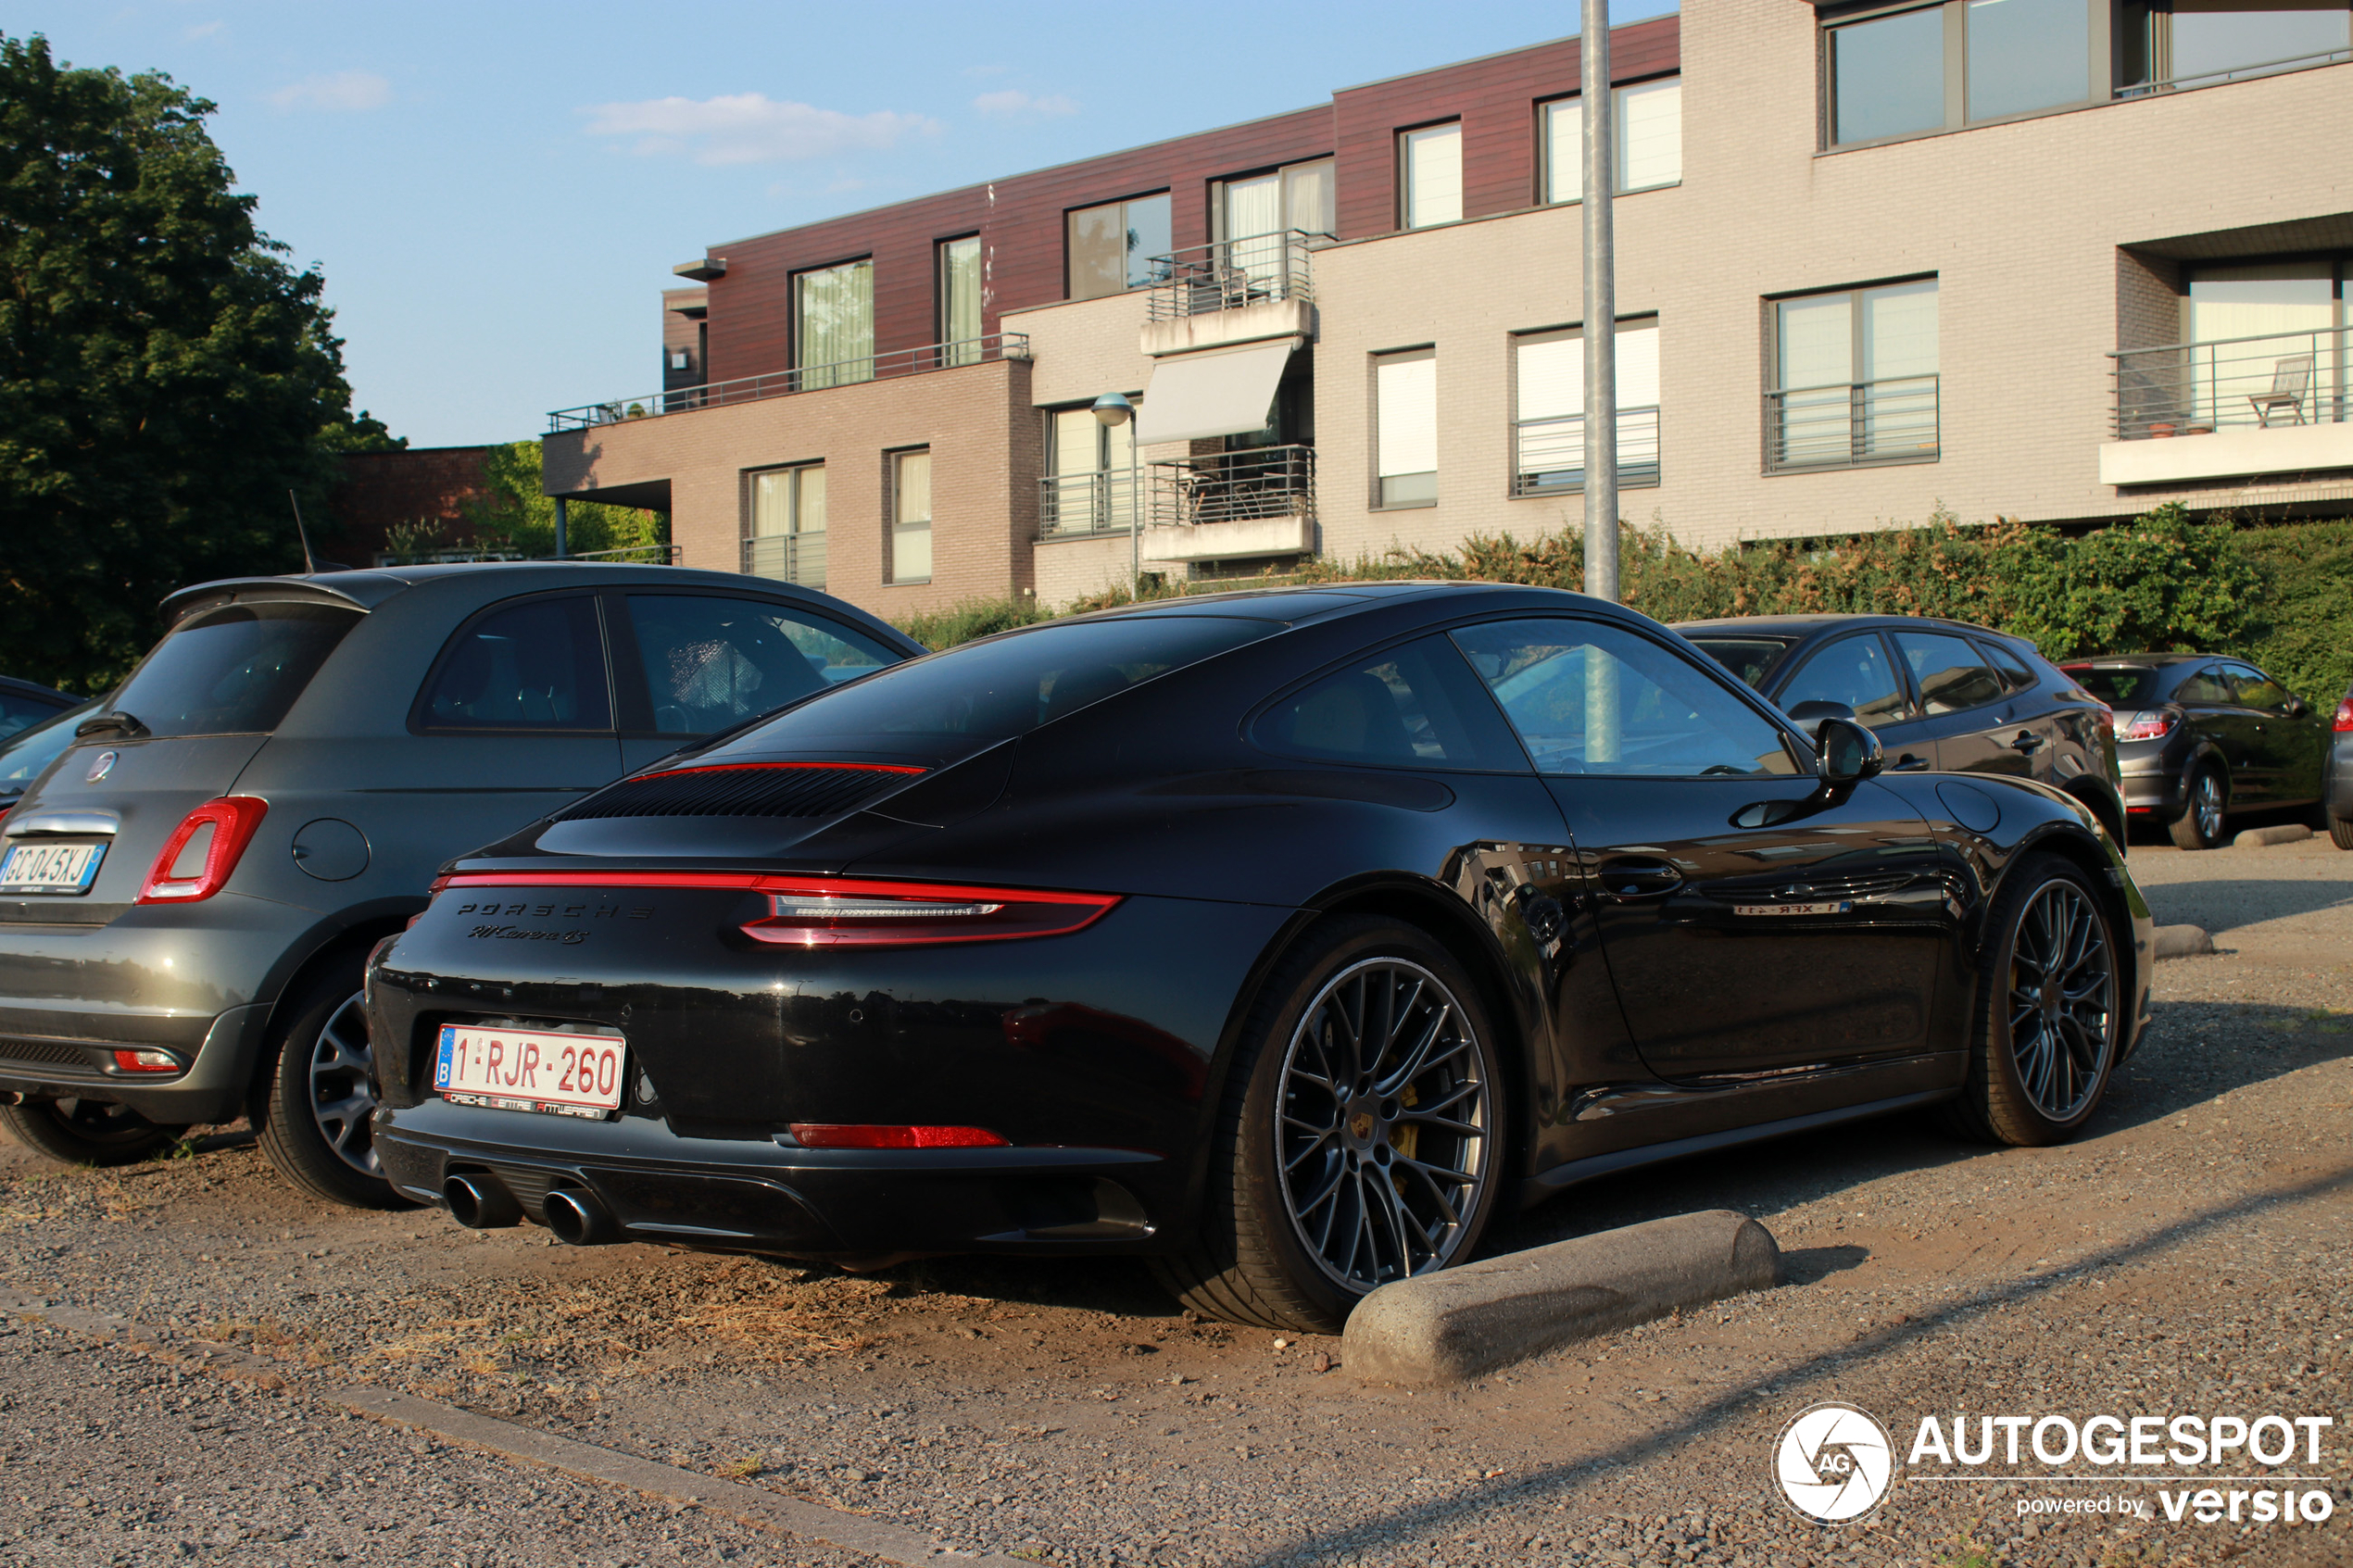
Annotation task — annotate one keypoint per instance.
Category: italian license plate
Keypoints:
(1841, 907)
(51, 868)
(564, 1074)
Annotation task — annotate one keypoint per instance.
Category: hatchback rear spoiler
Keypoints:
(177, 607)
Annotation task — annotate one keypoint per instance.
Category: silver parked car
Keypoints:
(188, 892)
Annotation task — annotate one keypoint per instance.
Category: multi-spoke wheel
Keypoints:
(315, 1113)
(1362, 1136)
(2050, 1011)
(86, 1132)
(2204, 810)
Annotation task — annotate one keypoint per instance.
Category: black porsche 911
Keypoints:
(1281, 936)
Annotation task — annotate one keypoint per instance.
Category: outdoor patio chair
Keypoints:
(2291, 379)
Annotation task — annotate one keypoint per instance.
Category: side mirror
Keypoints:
(2298, 708)
(1809, 715)
(1845, 753)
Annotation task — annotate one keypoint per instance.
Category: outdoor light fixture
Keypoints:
(1112, 410)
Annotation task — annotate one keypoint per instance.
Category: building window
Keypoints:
(1255, 213)
(911, 517)
(1405, 428)
(1943, 67)
(1430, 164)
(959, 301)
(1853, 378)
(1086, 487)
(788, 525)
(1887, 77)
(834, 325)
(1548, 429)
(1649, 147)
(2027, 55)
(2187, 43)
(1114, 247)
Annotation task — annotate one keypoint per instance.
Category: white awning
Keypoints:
(1227, 392)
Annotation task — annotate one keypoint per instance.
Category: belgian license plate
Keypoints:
(562, 1074)
(51, 868)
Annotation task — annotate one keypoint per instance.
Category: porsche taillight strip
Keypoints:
(751, 767)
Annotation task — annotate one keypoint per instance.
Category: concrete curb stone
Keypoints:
(2284, 833)
(1459, 1322)
(2180, 941)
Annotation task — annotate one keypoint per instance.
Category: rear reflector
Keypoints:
(203, 850)
(852, 1134)
(2344, 717)
(145, 1062)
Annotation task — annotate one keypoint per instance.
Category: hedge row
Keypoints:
(2281, 595)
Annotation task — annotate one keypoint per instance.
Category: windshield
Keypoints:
(954, 704)
(1747, 658)
(26, 752)
(234, 670)
(2118, 685)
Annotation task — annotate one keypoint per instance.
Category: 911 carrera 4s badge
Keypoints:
(1838, 907)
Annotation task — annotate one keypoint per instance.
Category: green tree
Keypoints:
(519, 513)
(165, 376)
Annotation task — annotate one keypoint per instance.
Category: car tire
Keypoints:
(87, 1131)
(2206, 800)
(1311, 1189)
(312, 1109)
(2341, 833)
(2050, 1010)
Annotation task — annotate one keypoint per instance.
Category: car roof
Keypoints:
(2136, 660)
(1301, 603)
(36, 689)
(1804, 625)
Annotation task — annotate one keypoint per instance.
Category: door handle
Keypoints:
(1632, 877)
(1907, 763)
(2027, 741)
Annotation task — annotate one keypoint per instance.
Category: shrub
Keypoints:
(940, 629)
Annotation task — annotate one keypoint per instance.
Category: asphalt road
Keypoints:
(2187, 1255)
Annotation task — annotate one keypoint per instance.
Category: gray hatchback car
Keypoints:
(187, 895)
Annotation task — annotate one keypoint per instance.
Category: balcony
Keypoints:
(797, 559)
(1260, 501)
(1074, 506)
(1232, 291)
(784, 384)
(1552, 452)
(2231, 408)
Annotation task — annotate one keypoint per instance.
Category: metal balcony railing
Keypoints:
(790, 558)
(2193, 388)
(1251, 485)
(2236, 73)
(1846, 426)
(1073, 505)
(782, 384)
(1552, 452)
(1228, 274)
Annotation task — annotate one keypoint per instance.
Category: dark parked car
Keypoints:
(23, 704)
(2340, 797)
(188, 893)
(1282, 936)
(2199, 736)
(1940, 695)
(26, 755)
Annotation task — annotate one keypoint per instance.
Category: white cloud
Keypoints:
(203, 30)
(343, 91)
(1014, 103)
(752, 128)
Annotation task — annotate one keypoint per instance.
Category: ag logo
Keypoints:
(1833, 1463)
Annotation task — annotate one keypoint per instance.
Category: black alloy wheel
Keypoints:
(2205, 810)
(315, 1111)
(87, 1131)
(2050, 1008)
(1364, 1136)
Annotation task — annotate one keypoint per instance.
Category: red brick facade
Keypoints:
(380, 490)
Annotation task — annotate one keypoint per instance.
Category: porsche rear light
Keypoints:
(2155, 724)
(145, 1062)
(2344, 717)
(852, 1134)
(203, 850)
(835, 912)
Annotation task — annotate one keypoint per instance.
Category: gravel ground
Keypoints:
(2187, 1255)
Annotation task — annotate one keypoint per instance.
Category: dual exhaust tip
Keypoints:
(479, 1200)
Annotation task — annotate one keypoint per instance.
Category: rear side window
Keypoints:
(2009, 664)
(954, 704)
(1855, 671)
(20, 712)
(1418, 706)
(1747, 658)
(710, 661)
(234, 670)
(2121, 686)
(538, 665)
(1951, 673)
(2206, 686)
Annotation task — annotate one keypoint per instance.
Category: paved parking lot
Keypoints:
(2188, 1254)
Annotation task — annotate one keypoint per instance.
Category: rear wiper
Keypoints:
(116, 722)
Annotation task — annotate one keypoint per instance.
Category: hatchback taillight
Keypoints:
(837, 913)
(2154, 725)
(2344, 717)
(203, 850)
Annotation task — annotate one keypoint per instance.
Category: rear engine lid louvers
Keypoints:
(744, 789)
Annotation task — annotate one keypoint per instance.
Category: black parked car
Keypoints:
(2200, 735)
(187, 893)
(24, 703)
(1281, 936)
(1940, 695)
(26, 755)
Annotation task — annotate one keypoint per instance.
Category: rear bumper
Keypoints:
(760, 1197)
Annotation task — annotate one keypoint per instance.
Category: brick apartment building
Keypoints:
(2050, 260)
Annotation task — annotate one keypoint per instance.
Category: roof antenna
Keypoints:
(310, 566)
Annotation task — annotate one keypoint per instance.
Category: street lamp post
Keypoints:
(1112, 409)
(1601, 305)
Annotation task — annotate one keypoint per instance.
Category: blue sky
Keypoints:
(496, 191)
